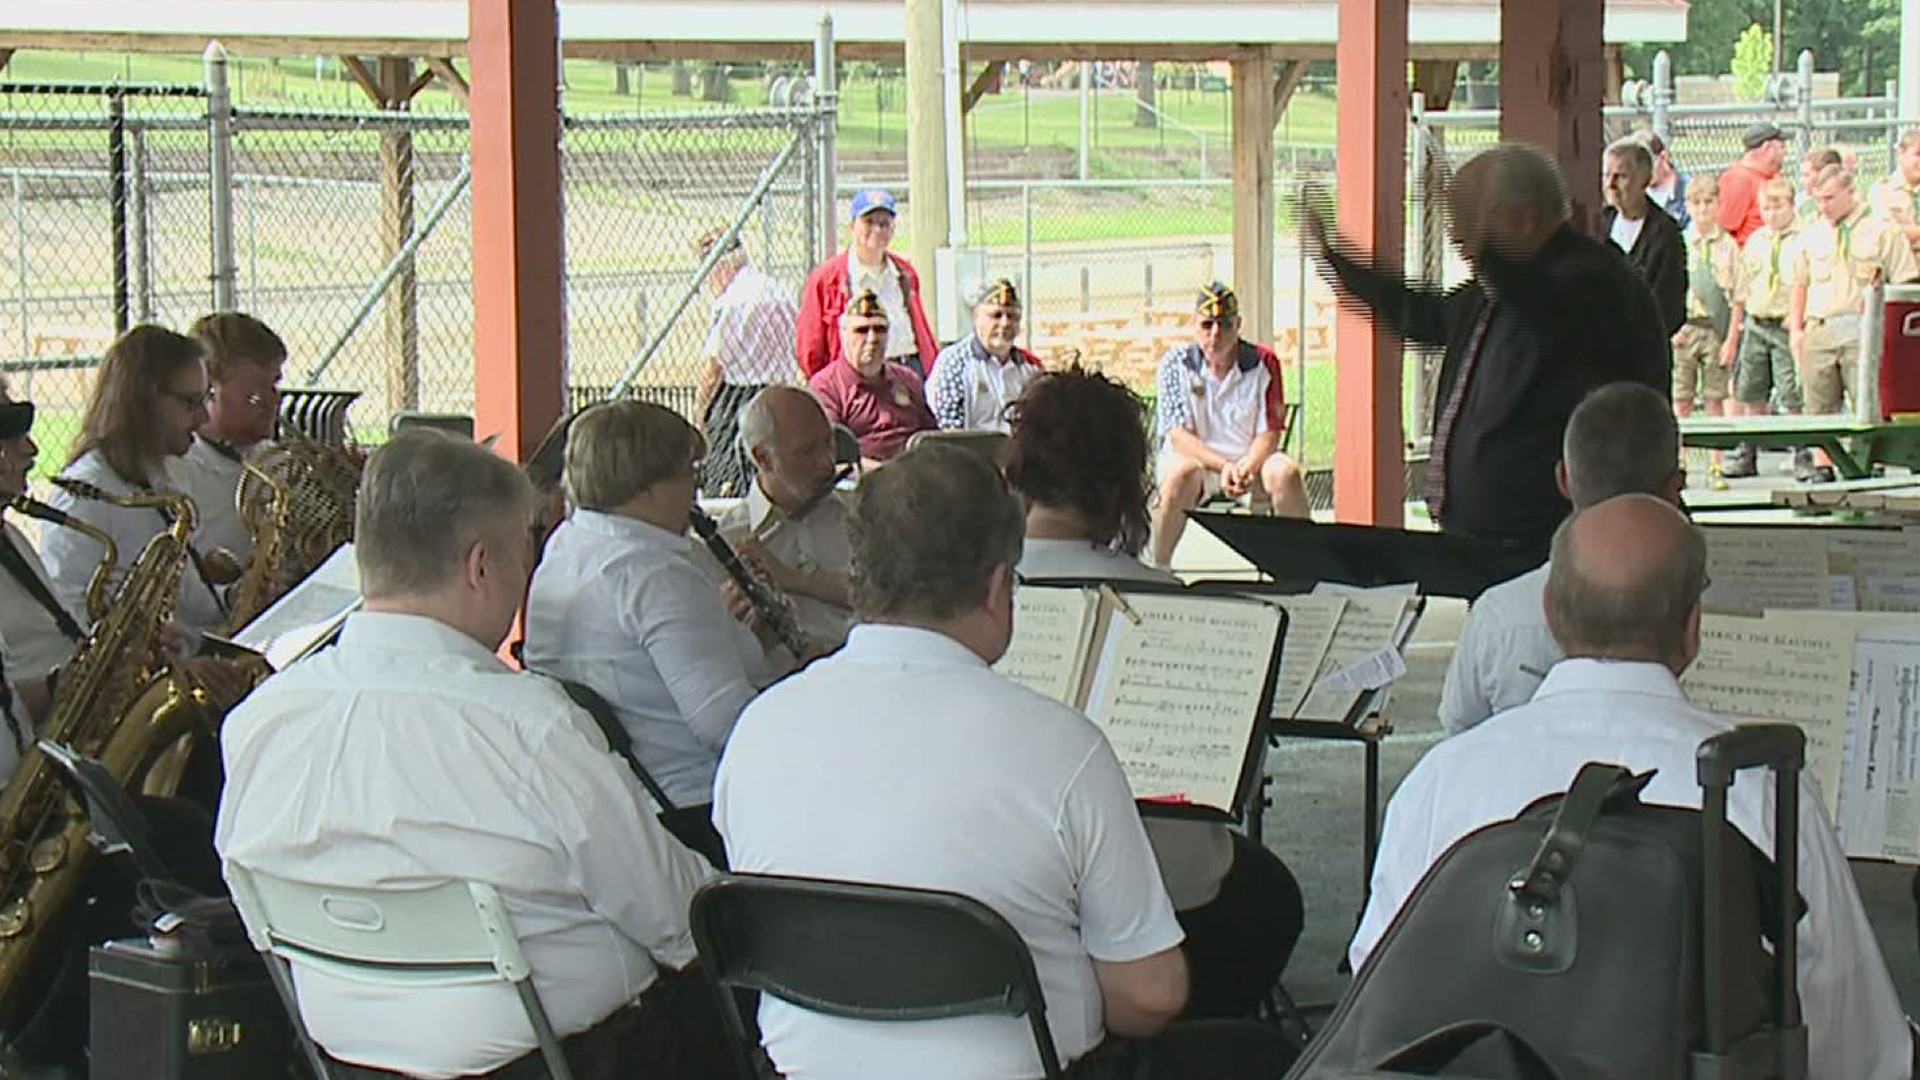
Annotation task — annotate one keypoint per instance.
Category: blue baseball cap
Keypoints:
(866, 202)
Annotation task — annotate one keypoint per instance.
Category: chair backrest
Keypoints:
(115, 818)
(846, 446)
(450, 933)
(991, 445)
(459, 425)
(923, 955)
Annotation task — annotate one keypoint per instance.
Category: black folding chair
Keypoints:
(923, 955)
(116, 823)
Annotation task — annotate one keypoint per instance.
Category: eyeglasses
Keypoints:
(867, 331)
(195, 400)
(1224, 324)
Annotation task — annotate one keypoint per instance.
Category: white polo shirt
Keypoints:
(1226, 411)
(1505, 650)
(981, 787)
(620, 606)
(1635, 715)
(819, 540)
(212, 477)
(35, 644)
(753, 331)
(408, 754)
(970, 389)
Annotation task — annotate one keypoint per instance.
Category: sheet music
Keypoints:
(1756, 569)
(1889, 592)
(1845, 592)
(1178, 692)
(1311, 621)
(1879, 814)
(1051, 628)
(1369, 623)
(1767, 670)
(1405, 590)
(324, 598)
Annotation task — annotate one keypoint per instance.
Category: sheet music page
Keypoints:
(1369, 623)
(1780, 670)
(327, 594)
(1405, 590)
(1178, 692)
(1051, 627)
(1311, 621)
(1889, 592)
(1755, 569)
(1879, 814)
(1873, 551)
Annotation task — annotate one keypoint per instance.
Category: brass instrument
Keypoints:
(109, 705)
(296, 498)
(99, 588)
(773, 607)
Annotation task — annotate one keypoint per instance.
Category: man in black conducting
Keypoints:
(1548, 315)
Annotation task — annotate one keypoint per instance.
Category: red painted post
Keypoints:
(1553, 84)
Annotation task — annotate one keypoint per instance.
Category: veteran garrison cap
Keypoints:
(1217, 301)
(998, 291)
(866, 306)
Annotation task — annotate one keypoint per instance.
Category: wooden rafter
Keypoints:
(357, 68)
(442, 68)
(980, 84)
(1285, 83)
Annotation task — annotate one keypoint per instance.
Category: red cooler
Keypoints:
(1900, 356)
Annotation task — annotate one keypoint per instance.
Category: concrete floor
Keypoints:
(1315, 819)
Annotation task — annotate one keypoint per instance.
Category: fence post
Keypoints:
(1026, 233)
(117, 207)
(1663, 96)
(220, 176)
(1086, 103)
(20, 262)
(140, 233)
(826, 100)
(1803, 96)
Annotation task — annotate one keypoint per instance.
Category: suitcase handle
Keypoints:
(1553, 862)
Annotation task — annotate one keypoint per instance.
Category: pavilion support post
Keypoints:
(400, 308)
(519, 331)
(1253, 193)
(927, 149)
(1369, 471)
(1553, 82)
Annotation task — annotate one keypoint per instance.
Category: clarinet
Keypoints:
(770, 606)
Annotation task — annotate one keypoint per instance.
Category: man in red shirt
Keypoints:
(1740, 185)
(881, 401)
(866, 266)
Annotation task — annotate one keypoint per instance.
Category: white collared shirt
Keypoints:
(1194, 856)
(970, 389)
(981, 787)
(620, 606)
(17, 713)
(818, 541)
(1625, 231)
(408, 754)
(213, 480)
(886, 282)
(1505, 650)
(71, 558)
(1635, 715)
(753, 331)
(35, 644)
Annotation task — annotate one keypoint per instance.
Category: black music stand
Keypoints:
(1304, 553)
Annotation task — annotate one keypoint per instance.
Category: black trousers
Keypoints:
(1238, 944)
(1191, 1050)
(723, 472)
(674, 1033)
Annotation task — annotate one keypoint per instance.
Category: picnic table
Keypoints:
(1854, 445)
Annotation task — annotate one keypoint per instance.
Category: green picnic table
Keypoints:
(1854, 445)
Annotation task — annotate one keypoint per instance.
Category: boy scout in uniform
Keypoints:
(1896, 197)
(1705, 345)
(1763, 372)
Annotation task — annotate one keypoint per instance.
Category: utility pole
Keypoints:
(1779, 37)
(1910, 62)
(926, 138)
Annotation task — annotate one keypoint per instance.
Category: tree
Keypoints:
(1857, 38)
(1752, 63)
(1144, 114)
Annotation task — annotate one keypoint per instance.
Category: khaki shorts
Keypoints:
(1828, 365)
(1697, 373)
(1210, 486)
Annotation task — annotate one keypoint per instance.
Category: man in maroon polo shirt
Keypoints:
(881, 401)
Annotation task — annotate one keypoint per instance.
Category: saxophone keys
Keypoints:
(47, 855)
(15, 919)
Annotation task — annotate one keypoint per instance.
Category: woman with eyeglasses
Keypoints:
(149, 397)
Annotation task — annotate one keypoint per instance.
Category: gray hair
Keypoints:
(1621, 440)
(1642, 619)
(1635, 152)
(1521, 174)
(757, 421)
(928, 529)
(425, 498)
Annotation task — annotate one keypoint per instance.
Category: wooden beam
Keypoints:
(1435, 79)
(519, 337)
(400, 305)
(1285, 83)
(420, 82)
(1616, 75)
(450, 77)
(1253, 197)
(365, 79)
(1369, 460)
(1552, 87)
(989, 76)
(6, 57)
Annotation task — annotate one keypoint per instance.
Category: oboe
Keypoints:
(770, 606)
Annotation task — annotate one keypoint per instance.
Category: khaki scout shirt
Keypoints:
(1715, 252)
(1766, 267)
(1898, 201)
(1836, 262)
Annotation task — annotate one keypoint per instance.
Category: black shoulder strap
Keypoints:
(16, 564)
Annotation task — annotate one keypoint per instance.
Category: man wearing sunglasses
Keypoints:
(1221, 412)
(883, 402)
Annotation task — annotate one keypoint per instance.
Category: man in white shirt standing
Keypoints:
(619, 605)
(976, 378)
(749, 346)
(793, 522)
(1623, 599)
(245, 360)
(1621, 440)
(440, 762)
(905, 760)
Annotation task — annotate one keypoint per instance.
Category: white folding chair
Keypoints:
(452, 934)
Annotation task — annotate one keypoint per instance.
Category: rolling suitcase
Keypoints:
(1593, 937)
(161, 1013)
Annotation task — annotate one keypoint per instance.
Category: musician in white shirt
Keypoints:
(440, 762)
(41, 632)
(1078, 456)
(1623, 599)
(245, 360)
(793, 522)
(619, 605)
(1621, 440)
(905, 760)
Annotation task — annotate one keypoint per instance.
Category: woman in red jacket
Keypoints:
(865, 264)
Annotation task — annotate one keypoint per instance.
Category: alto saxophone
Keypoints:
(97, 710)
(99, 589)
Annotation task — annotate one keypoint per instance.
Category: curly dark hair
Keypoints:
(1080, 443)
